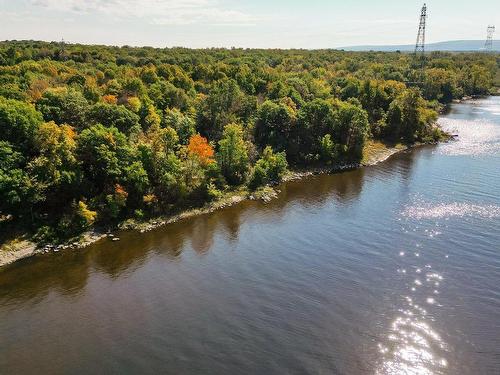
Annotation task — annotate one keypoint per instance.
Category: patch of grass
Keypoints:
(14, 245)
(375, 150)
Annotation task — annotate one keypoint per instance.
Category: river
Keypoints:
(389, 269)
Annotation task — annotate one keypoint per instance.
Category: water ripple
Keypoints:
(411, 347)
(477, 137)
(455, 209)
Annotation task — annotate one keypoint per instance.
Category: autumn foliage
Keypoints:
(120, 193)
(37, 88)
(93, 135)
(200, 147)
(110, 99)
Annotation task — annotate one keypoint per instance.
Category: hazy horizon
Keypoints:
(219, 23)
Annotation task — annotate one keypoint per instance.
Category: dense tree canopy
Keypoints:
(93, 134)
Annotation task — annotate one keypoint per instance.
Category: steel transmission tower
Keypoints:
(62, 49)
(488, 45)
(419, 60)
(420, 45)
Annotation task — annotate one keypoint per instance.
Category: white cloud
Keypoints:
(211, 15)
(159, 12)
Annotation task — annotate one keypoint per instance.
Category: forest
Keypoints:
(93, 135)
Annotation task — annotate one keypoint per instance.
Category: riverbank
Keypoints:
(375, 152)
(331, 263)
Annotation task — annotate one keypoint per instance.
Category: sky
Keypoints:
(244, 23)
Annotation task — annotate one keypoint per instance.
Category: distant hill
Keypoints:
(454, 45)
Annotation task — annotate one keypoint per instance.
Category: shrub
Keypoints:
(116, 202)
(270, 168)
(85, 217)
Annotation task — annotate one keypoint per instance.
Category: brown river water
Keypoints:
(389, 269)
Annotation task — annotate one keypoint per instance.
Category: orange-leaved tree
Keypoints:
(198, 146)
(110, 99)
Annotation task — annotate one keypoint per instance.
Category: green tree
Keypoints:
(157, 149)
(315, 119)
(55, 166)
(225, 104)
(270, 168)
(19, 123)
(166, 96)
(394, 122)
(19, 192)
(274, 125)
(232, 155)
(439, 84)
(183, 124)
(352, 130)
(117, 116)
(329, 150)
(104, 154)
(64, 106)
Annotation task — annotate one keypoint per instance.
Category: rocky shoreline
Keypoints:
(24, 248)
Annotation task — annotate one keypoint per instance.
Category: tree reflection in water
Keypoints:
(68, 272)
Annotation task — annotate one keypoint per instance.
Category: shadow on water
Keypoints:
(68, 272)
